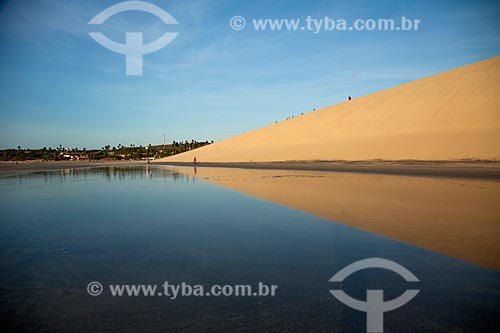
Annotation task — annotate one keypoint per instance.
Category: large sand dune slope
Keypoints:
(450, 116)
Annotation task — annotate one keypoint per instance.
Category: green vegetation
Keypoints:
(105, 153)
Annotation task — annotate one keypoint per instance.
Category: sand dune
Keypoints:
(450, 116)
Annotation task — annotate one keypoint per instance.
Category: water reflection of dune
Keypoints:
(456, 217)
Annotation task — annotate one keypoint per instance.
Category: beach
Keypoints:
(418, 163)
(448, 169)
(235, 166)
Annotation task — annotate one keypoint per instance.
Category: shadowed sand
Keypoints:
(449, 169)
(454, 115)
(457, 217)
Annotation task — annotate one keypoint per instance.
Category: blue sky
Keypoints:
(58, 86)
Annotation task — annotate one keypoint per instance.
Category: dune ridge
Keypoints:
(454, 115)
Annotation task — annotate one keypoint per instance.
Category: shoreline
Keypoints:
(489, 170)
(11, 166)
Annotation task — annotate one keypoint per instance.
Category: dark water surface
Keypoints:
(61, 230)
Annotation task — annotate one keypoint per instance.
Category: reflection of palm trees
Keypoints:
(110, 173)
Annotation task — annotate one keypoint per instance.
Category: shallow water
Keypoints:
(456, 217)
(61, 230)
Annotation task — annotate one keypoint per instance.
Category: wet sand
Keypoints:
(457, 217)
(451, 169)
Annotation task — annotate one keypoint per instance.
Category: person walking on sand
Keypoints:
(194, 161)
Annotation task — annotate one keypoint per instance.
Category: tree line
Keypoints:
(107, 152)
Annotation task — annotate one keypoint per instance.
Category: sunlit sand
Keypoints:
(450, 116)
